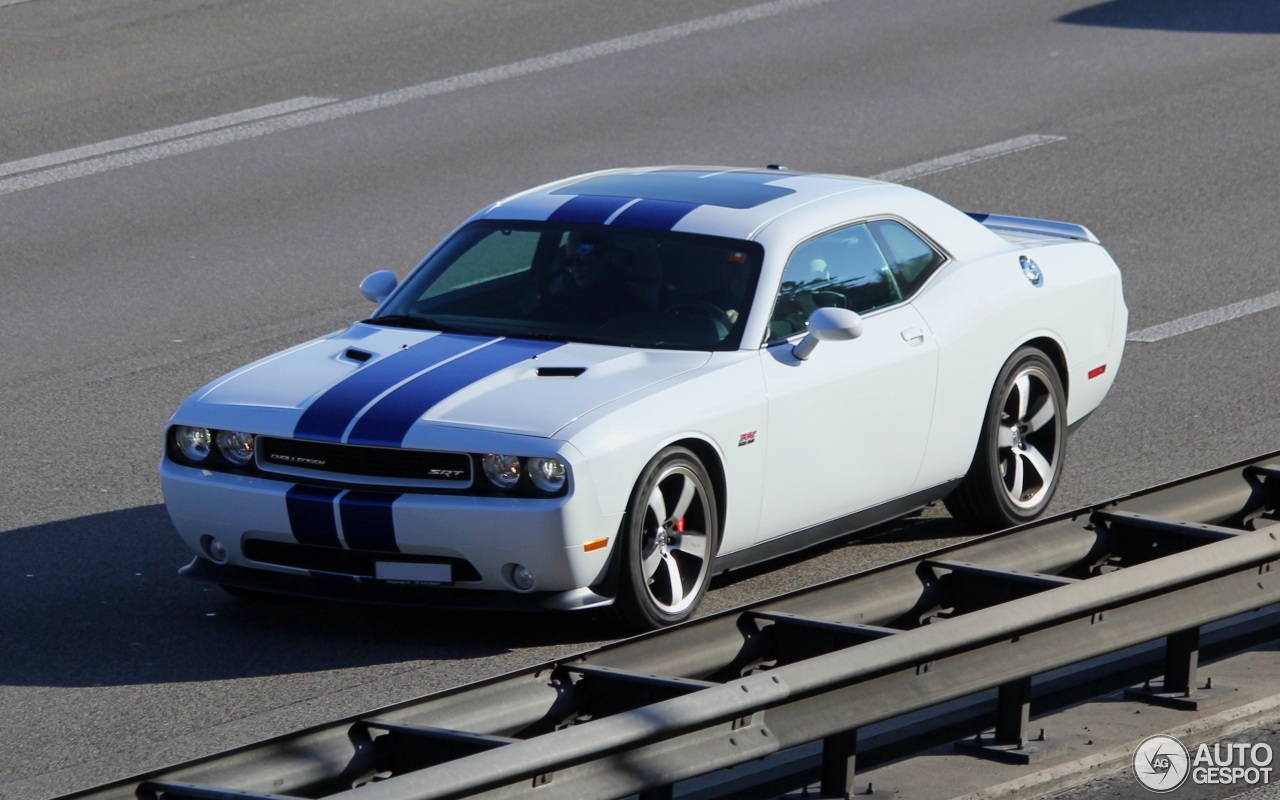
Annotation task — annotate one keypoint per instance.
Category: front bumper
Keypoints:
(338, 542)
(358, 590)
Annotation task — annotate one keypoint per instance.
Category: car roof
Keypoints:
(717, 201)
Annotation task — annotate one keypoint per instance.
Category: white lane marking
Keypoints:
(470, 80)
(190, 144)
(1204, 319)
(967, 157)
(162, 135)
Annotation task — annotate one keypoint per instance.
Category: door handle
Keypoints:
(913, 336)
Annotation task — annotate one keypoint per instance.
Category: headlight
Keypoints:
(502, 471)
(193, 443)
(235, 446)
(548, 474)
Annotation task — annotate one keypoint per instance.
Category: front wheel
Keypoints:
(668, 542)
(1020, 451)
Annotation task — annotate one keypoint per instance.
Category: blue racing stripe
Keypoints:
(311, 515)
(329, 415)
(592, 209)
(660, 215)
(753, 177)
(367, 522)
(728, 190)
(388, 420)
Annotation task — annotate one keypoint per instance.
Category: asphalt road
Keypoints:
(138, 261)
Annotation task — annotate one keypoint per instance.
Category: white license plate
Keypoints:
(413, 573)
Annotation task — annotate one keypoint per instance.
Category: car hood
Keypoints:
(389, 386)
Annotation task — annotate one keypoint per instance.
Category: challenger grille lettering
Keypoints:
(395, 465)
(297, 460)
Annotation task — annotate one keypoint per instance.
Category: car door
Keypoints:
(847, 427)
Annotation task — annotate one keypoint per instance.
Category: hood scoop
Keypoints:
(560, 372)
(359, 356)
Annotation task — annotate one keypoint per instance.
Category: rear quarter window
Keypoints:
(911, 258)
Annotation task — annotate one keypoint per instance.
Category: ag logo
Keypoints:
(1161, 763)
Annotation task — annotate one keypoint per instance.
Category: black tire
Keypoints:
(1021, 448)
(668, 542)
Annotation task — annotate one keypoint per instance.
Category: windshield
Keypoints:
(583, 283)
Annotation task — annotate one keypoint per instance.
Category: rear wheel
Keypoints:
(1020, 451)
(668, 543)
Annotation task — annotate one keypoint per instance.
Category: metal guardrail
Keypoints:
(814, 666)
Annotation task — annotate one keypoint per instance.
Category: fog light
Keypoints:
(214, 549)
(522, 577)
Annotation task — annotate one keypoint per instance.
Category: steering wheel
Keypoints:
(701, 308)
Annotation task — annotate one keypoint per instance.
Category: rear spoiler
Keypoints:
(1044, 227)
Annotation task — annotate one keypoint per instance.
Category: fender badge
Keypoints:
(746, 439)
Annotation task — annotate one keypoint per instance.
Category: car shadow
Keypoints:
(97, 601)
(1191, 16)
(921, 526)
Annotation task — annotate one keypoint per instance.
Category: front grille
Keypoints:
(294, 455)
(345, 562)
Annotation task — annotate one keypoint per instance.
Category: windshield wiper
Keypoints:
(396, 320)
(420, 323)
(544, 337)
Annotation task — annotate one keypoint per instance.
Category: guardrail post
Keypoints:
(1181, 658)
(1013, 714)
(839, 755)
(1180, 689)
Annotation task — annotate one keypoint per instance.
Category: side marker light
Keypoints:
(595, 544)
(1096, 371)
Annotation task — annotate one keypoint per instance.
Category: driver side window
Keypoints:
(842, 269)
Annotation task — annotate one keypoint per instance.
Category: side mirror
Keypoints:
(378, 286)
(828, 325)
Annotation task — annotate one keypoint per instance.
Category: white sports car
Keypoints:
(605, 390)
